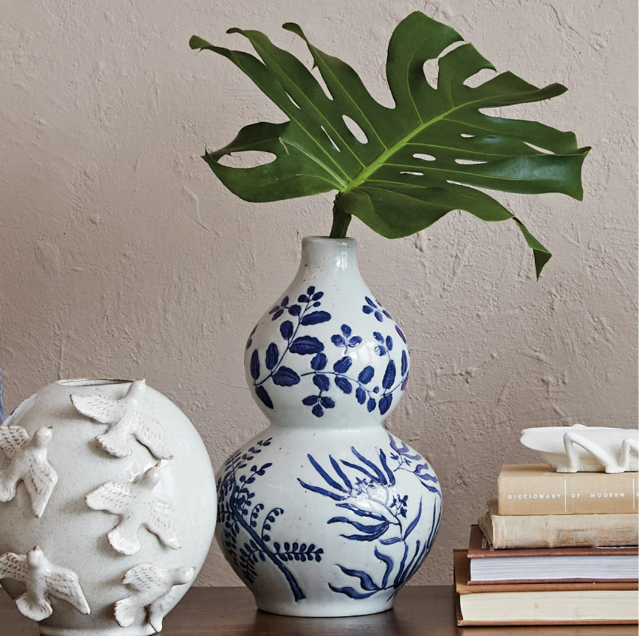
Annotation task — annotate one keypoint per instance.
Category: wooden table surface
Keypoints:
(419, 611)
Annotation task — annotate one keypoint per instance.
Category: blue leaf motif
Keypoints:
(366, 374)
(321, 381)
(343, 365)
(389, 376)
(365, 581)
(390, 541)
(385, 403)
(315, 318)
(285, 377)
(323, 491)
(346, 330)
(310, 400)
(378, 336)
(326, 402)
(272, 356)
(286, 329)
(355, 341)
(401, 333)
(305, 345)
(389, 343)
(343, 384)
(404, 362)
(338, 340)
(388, 561)
(254, 366)
(261, 393)
(349, 591)
(371, 405)
(317, 410)
(295, 310)
(360, 394)
(319, 361)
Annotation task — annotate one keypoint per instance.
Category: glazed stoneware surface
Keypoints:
(326, 513)
(101, 528)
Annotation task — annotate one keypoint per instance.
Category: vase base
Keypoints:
(310, 609)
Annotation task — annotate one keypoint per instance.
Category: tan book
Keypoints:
(599, 603)
(507, 532)
(536, 489)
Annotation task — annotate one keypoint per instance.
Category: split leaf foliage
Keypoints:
(419, 160)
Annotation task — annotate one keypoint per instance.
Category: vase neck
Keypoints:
(338, 256)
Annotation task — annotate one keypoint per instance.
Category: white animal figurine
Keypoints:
(137, 505)
(151, 588)
(125, 420)
(28, 464)
(42, 579)
(580, 448)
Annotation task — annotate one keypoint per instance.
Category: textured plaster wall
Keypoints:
(123, 256)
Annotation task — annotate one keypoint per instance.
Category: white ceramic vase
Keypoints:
(107, 507)
(325, 513)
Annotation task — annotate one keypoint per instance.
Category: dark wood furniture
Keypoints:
(419, 611)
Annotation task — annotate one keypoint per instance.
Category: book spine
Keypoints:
(557, 531)
(553, 493)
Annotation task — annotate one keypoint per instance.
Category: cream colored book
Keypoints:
(537, 489)
(505, 532)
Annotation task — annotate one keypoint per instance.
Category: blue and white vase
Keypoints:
(325, 513)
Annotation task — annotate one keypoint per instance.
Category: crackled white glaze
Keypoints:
(137, 489)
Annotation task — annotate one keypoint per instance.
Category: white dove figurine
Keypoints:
(42, 580)
(125, 420)
(28, 464)
(137, 505)
(151, 588)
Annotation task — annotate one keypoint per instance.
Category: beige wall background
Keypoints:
(123, 256)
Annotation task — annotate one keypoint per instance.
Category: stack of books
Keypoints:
(554, 549)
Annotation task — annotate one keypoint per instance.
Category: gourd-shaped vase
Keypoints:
(107, 507)
(325, 513)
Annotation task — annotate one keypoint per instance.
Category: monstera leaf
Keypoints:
(418, 160)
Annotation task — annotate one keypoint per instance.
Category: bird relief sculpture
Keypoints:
(42, 579)
(137, 506)
(151, 589)
(580, 448)
(28, 464)
(125, 420)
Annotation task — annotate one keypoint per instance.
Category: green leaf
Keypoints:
(421, 159)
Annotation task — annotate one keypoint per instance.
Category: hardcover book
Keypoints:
(608, 602)
(556, 564)
(536, 489)
(556, 531)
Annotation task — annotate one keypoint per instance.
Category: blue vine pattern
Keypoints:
(248, 527)
(306, 313)
(386, 523)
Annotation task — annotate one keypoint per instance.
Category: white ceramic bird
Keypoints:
(151, 588)
(125, 420)
(138, 506)
(42, 580)
(28, 464)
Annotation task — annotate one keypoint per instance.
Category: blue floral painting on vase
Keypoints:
(327, 364)
(389, 520)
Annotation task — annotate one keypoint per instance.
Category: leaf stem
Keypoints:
(341, 221)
